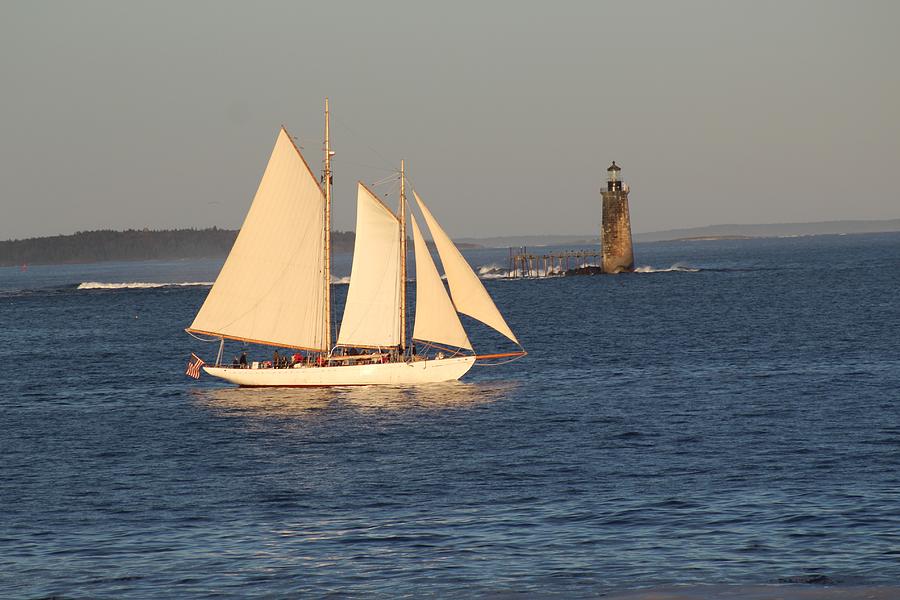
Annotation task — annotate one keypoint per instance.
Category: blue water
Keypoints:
(737, 423)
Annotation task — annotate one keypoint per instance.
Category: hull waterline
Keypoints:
(399, 373)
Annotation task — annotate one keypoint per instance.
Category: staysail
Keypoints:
(436, 319)
(468, 292)
(372, 313)
(271, 289)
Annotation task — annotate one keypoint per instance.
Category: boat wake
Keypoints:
(138, 285)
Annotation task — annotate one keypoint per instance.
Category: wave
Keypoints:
(495, 271)
(676, 268)
(144, 285)
(137, 285)
(492, 271)
(488, 271)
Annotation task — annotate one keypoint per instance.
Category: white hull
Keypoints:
(400, 373)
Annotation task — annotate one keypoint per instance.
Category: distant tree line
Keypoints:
(133, 244)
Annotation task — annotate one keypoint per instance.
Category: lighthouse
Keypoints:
(617, 253)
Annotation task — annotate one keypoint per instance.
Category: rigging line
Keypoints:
(215, 339)
(298, 141)
(440, 347)
(382, 169)
(497, 364)
(342, 124)
(390, 192)
(393, 190)
(393, 177)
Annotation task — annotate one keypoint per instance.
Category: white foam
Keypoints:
(142, 285)
(676, 268)
(136, 285)
(492, 271)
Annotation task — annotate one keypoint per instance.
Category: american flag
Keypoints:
(193, 366)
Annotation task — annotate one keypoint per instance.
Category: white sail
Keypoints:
(271, 289)
(436, 319)
(468, 292)
(372, 313)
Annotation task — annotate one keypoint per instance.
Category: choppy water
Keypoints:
(731, 421)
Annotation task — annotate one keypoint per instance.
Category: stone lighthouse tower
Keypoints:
(615, 235)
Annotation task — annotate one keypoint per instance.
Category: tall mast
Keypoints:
(327, 177)
(402, 213)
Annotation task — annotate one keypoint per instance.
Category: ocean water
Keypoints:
(725, 423)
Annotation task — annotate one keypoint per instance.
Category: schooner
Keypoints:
(275, 288)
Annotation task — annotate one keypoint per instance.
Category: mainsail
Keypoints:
(271, 288)
(436, 319)
(468, 292)
(372, 313)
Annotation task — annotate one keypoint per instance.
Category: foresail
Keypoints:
(271, 288)
(372, 311)
(436, 319)
(468, 292)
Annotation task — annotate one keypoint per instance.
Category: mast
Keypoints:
(327, 177)
(402, 214)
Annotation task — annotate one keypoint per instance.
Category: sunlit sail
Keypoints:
(372, 312)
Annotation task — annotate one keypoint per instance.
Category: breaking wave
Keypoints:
(143, 285)
(492, 271)
(488, 271)
(676, 268)
(136, 285)
(495, 271)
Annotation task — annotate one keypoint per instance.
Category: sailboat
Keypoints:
(275, 289)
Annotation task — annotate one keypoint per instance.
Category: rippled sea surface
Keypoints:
(734, 421)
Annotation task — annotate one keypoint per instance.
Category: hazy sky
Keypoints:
(163, 114)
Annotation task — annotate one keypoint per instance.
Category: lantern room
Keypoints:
(613, 182)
